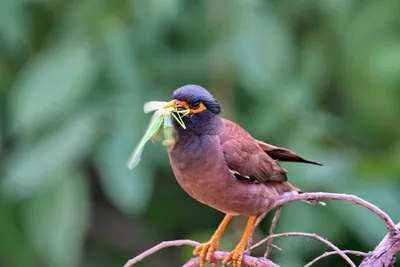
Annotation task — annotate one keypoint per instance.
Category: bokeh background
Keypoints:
(319, 77)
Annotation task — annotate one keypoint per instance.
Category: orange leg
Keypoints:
(236, 255)
(206, 249)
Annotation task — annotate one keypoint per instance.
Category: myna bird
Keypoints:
(221, 165)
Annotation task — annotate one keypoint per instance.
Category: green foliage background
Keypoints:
(320, 77)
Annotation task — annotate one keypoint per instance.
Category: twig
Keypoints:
(272, 230)
(173, 243)
(323, 240)
(258, 221)
(393, 231)
(326, 254)
(247, 260)
(384, 253)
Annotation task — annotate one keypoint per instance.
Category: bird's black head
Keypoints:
(196, 99)
(203, 108)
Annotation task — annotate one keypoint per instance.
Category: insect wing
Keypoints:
(154, 125)
(153, 105)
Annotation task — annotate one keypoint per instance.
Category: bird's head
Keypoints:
(194, 98)
(203, 108)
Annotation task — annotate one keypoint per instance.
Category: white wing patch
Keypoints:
(243, 178)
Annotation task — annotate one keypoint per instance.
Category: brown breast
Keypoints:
(200, 168)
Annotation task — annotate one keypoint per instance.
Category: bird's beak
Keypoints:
(182, 106)
(177, 104)
(170, 104)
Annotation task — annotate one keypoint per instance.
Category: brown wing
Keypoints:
(245, 157)
(283, 154)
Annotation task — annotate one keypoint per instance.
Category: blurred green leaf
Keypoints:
(14, 250)
(30, 169)
(58, 79)
(56, 220)
(12, 21)
(261, 48)
(361, 220)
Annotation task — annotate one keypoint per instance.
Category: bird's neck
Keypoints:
(192, 142)
(199, 124)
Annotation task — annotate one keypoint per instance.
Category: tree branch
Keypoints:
(326, 254)
(317, 237)
(173, 243)
(384, 253)
(272, 230)
(393, 230)
(247, 260)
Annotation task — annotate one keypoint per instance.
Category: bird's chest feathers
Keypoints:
(194, 144)
(196, 164)
(191, 151)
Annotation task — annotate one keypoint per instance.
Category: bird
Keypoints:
(220, 164)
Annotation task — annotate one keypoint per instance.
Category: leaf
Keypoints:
(363, 220)
(31, 168)
(55, 221)
(59, 77)
(260, 59)
(12, 24)
(14, 250)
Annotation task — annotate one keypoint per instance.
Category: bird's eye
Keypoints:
(195, 105)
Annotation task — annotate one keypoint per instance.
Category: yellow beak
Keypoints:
(170, 104)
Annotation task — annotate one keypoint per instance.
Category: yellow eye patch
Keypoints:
(183, 104)
(200, 108)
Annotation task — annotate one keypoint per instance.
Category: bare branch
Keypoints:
(326, 254)
(174, 243)
(247, 260)
(393, 231)
(272, 230)
(323, 240)
(217, 255)
(384, 253)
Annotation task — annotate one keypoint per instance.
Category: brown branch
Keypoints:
(384, 253)
(173, 243)
(393, 230)
(326, 254)
(323, 240)
(272, 230)
(247, 260)
(217, 255)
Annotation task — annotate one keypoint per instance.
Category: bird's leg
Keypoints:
(236, 255)
(206, 249)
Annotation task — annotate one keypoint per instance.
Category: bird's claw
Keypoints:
(235, 256)
(205, 251)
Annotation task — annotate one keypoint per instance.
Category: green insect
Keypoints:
(162, 116)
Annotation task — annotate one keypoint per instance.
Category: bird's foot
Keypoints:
(205, 251)
(235, 256)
